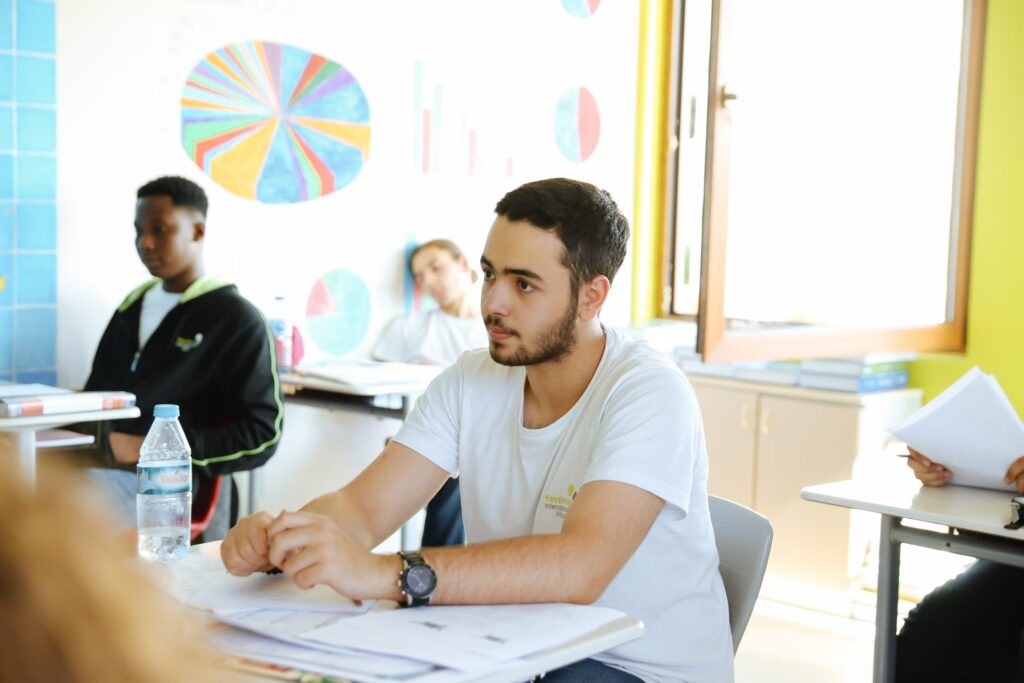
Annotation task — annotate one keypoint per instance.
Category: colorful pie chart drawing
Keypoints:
(577, 124)
(274, 122)
(338, 312)
(581, 8)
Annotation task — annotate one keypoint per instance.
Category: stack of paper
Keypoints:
(201, 581)
(369, 374)
(971, 428)
(267, 619)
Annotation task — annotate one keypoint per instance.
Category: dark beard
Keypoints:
(552, 344)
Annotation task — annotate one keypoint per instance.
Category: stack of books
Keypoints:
(864, 374)
(769, 372)
(17, 400)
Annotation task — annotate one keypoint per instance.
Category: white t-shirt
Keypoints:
(156, 304)
(637, 422)
(429, 337)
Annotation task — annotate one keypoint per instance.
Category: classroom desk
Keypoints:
(325, 393)
(980, 511)
(604, 638)
(22, 432)
(336, 395)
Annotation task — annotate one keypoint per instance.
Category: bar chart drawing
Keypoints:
(453, 136)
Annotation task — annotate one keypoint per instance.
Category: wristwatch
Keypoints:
(417, 580)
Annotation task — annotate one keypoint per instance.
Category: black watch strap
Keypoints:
(410, 559)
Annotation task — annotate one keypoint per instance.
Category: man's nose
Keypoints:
(494, 300)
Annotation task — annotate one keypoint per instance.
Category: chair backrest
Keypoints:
(204, 504)
(744, 539)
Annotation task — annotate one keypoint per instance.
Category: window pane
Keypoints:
(842, 160)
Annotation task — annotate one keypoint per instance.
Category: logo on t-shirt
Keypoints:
(561, 504)
(186, 344)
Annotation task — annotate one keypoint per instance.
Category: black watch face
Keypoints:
(420, 580)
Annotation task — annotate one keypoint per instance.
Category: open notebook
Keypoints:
(371, 374)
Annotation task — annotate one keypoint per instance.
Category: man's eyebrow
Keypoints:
(522, 272)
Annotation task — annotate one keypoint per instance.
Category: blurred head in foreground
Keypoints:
(74, 607)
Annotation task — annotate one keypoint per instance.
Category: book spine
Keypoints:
(22, 408)
(881, 382)
(113, 401)
(841, 369)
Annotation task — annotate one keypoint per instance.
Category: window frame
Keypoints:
(715, 341)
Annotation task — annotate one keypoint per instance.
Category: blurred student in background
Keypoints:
(438, 337)
(972, 627)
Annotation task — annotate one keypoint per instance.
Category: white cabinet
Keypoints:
(766, 442)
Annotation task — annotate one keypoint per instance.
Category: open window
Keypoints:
(822, 181)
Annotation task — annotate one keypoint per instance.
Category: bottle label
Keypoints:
(163, 481)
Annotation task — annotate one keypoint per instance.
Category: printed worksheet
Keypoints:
(227, 592)
(465, 637)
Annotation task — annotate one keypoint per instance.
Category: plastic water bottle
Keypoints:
(282, 331)
(163, 500)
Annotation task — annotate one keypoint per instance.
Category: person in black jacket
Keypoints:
(188, 339)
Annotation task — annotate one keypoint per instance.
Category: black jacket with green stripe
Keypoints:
(213, 356)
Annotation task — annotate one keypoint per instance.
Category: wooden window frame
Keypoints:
(715, 341)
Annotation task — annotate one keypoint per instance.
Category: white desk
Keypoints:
(22, 432)
(979, 511)
(325, 393)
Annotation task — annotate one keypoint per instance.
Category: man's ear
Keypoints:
(198, 230)
(593, 294)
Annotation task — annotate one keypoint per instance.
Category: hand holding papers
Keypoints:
(971, 428)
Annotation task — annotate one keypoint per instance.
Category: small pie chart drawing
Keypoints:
(581, 8)
(577, 124)
(338, 312)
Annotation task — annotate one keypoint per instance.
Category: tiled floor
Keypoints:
(786, 644)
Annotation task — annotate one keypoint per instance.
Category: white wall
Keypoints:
(122, 66)
(121, 70)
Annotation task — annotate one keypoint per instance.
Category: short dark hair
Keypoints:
(592, 229)
(182, 191)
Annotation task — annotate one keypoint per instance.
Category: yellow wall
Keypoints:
(995, 323)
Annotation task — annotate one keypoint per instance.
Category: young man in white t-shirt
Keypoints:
(581, 458)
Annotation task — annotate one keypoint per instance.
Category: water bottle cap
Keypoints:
(165, 410)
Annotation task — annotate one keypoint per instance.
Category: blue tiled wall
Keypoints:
(28, 191)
